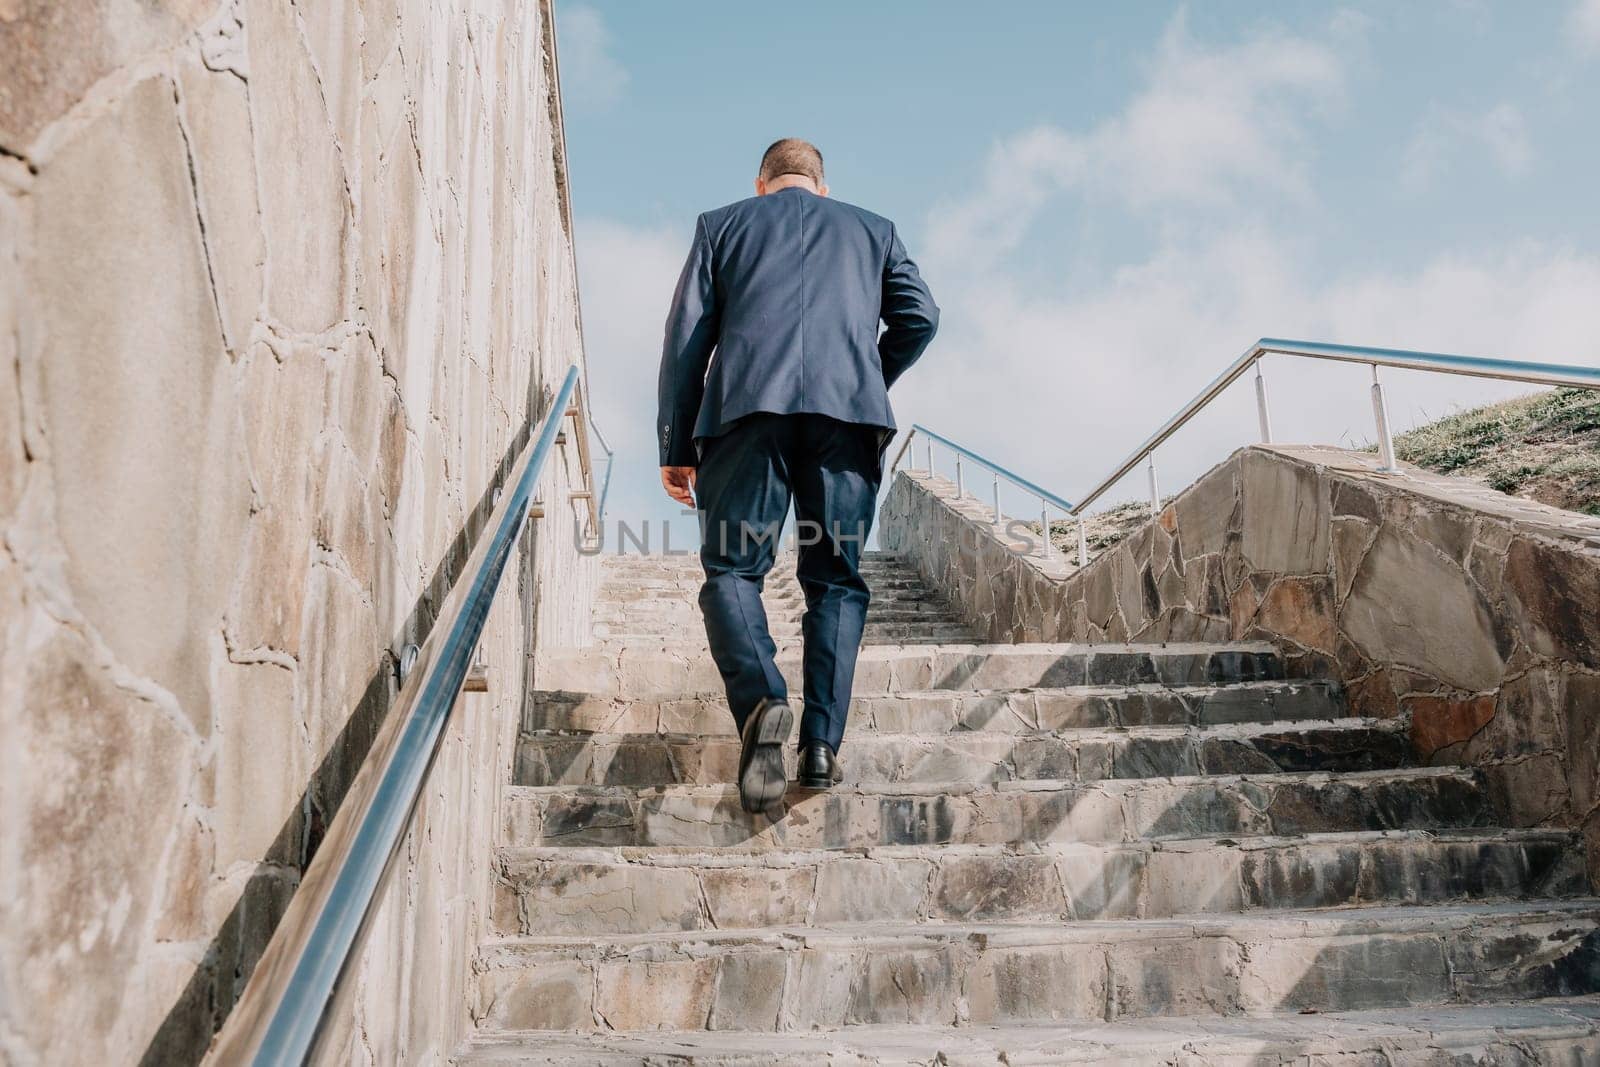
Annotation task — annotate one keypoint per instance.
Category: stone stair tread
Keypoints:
(645, 671)
(788, 639)
(1330, 960)
(969, 710)
(647, 625)
(1080, 754)
(627, 617)
(915, 603)
(1209, 851)
(877, 813)
(572, 890)
(1040, 649)
(680, 594)
(1255, 926)
(657, 612)
(892, 635)
(1350, 723)
(695, 855)
(1034, 785)
(1393, 1036)
(1260, 684)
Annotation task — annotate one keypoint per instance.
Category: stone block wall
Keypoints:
(1474, 615)
(283, 286)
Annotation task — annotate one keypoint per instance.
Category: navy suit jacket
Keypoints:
(777, 310)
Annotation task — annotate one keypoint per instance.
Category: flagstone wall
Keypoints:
(1474, 615)
(283, 286)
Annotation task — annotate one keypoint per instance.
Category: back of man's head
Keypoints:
(791, 155)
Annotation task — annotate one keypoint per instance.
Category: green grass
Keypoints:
(1102, 529)
(1545, 447)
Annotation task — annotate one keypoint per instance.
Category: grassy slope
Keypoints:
(1545, 447)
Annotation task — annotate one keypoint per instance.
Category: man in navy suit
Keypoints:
(774, 385)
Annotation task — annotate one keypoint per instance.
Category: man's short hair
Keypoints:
(791, 155)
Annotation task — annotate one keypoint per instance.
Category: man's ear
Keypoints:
(761, 187)
(822, 190)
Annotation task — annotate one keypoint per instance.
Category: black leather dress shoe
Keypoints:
(819, 767)
(761, 777)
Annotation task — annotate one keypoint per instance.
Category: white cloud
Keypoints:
(590, 74)
(1060, 383)
(1061, 388)
(626, 275)
(1447, 139)
(1584, 23)
(1225, 134)
(1210, 127)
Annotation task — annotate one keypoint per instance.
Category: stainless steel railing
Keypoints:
(1046, 498)
(294, 986)
(1554, 374)
(605, 484)
(583, 426)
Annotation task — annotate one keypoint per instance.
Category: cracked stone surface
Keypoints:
(1549, 1031)
(284, 283)
(268, 333)
(1464, 613)
(1040, 853)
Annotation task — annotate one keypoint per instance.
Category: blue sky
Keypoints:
(1110, 202)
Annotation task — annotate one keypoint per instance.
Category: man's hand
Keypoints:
(679, 484)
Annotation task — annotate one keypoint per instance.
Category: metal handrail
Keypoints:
(1472, 366)
(280, 1016)
(1046, 497)
(558, 123)
(611, 457)
(583, 425)
(1553, 374)
(1015, 479)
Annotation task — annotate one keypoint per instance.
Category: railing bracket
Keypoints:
(403, 662)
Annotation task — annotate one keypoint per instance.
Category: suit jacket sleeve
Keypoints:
(910, 316)
(691, 335)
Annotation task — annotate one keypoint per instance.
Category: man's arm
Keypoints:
(690, 337)
(910, 316)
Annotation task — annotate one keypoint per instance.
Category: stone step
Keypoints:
(800, 978)
(777, 588)
(1555, 1030)
(776, 623)
(868, 814)
(690, 577)
(644, 672)
(554, 759)
(573, 891)
(882, 608)
(1006, 711)
(690, 643)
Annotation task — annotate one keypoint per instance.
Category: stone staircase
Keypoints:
(1040, 853)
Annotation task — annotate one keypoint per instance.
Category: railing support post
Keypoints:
(1044, 528)
(1155, 492)
(961, 490)
(1083, 543)
(1380, 415)
(1262, 412)
(998, 518)
(930, 457)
